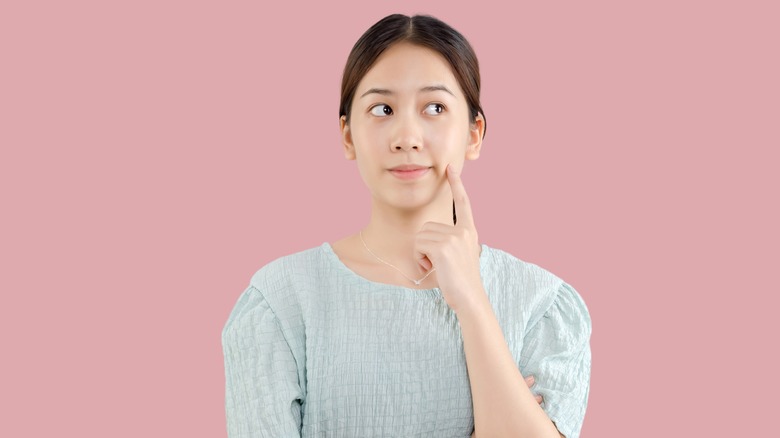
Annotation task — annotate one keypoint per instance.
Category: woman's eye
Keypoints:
(434, 108)
(381, 110)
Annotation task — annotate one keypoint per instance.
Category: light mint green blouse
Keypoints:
(314, 350)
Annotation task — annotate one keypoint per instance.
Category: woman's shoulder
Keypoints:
(512, 269)
(281, 280)
(279, 272)
(522, 284)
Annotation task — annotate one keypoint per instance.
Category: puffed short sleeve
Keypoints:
(556, 351)
(262, 392)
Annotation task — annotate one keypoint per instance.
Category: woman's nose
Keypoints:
(407, 134)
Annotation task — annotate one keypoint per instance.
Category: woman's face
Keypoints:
(409, 110)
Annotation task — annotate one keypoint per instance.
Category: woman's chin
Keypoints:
(411, 204)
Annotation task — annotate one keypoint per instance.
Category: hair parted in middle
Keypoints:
(421, 30)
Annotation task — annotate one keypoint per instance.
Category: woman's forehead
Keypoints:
(409, 69)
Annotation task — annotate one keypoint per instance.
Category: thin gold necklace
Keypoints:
(417, 282)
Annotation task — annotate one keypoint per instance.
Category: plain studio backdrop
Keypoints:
(155, 154)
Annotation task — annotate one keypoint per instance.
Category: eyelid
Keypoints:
(379, 105)
(443, 106)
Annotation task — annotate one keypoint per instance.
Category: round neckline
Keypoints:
(331, 254)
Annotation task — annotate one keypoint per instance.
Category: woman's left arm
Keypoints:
(503, 404)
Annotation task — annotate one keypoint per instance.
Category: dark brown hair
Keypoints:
(421, 30)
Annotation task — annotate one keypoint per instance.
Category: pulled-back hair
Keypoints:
(421, 30)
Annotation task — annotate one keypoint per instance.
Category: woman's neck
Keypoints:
(391, 232)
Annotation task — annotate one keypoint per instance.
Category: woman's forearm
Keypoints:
(504, 406)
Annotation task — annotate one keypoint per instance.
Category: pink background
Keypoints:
(156, 154)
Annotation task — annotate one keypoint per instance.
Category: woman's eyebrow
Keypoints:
(436, 88)
(382, 91)
(386, 92)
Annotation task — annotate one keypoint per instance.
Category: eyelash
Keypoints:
(371, 110)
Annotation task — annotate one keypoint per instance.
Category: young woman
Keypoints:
(410, 326)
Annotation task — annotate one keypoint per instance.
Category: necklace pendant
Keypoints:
(417, 282)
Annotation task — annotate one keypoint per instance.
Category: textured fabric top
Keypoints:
(314, 350)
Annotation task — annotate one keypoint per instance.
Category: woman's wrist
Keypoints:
(474, 305)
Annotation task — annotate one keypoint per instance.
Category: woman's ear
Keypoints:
(476, 132)
(346, 138)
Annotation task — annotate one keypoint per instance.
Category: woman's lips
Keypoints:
(410, 173)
